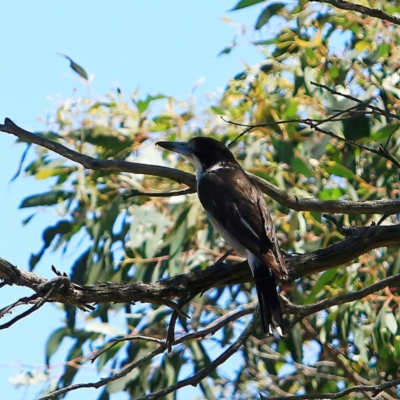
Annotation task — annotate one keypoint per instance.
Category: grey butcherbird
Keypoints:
(236, 207)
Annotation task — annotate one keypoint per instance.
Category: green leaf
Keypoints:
(359, 341)
(284, 150)
(201, 358)
(391, 322)
(217, 110)
(330, 194)
(267, 13)
(324, 279)
(174, 264)
(291, 111)
(143, 105)
(265, 42)
(46, 199)
(301, 166)
(334, 168)
(162, 123)
(60, 228)
(226, 50)
(76, 67)
(311, 55)
(105, 137)
(384, 50)
(380, 135)
(54, 341)
(246, 3)
(396, 345)
(71, 369)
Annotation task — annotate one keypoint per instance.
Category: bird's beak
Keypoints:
(176, 147)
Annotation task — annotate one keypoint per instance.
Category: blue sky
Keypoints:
(158, 46)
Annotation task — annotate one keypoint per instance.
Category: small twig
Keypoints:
(287, 121)
(375, 390)
(21, 302)
(390, 136)
(137, 193)
(223, 257)
(377, 110)
(314, 124)
(55, 284)
(382, 219)
(203, 373)
(340, 228)
(372, 12)
(333, 353)
(172, 322)
(159, 350)
(302, 312)
(114, 342)
(102, 382)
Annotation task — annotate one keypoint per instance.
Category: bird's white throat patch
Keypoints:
(200, 172)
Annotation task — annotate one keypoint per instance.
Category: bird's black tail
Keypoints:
(268, 299)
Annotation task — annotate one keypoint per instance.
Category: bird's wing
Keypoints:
(239, 207)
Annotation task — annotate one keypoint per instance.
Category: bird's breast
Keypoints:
(229, 238)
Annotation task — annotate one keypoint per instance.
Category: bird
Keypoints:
(238, 210)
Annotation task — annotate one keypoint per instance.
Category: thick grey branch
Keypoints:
(281, 196)
(360, 241)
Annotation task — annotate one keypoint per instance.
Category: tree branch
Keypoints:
(372, 12)
(212, 328)
(203, 373)
(99, 165)
(301, 312)
(375, 390)
(359, 241)
(327, 206)
(281, 196)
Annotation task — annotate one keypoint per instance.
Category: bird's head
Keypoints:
(202, 152)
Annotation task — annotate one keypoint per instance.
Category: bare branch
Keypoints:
(99, 165)
(203, 373)
(334, 354)
(129, 338)
(327, 206)
(213, 327)
(102, 382)
(54, 284)
(314, 122)
(382, 151)
(372, 12)
(375, 390)
(281, 196)
(137, 193)
(301, 312)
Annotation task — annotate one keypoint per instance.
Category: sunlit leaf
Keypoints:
(76, 67)
(246, 3)
(267, 13)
